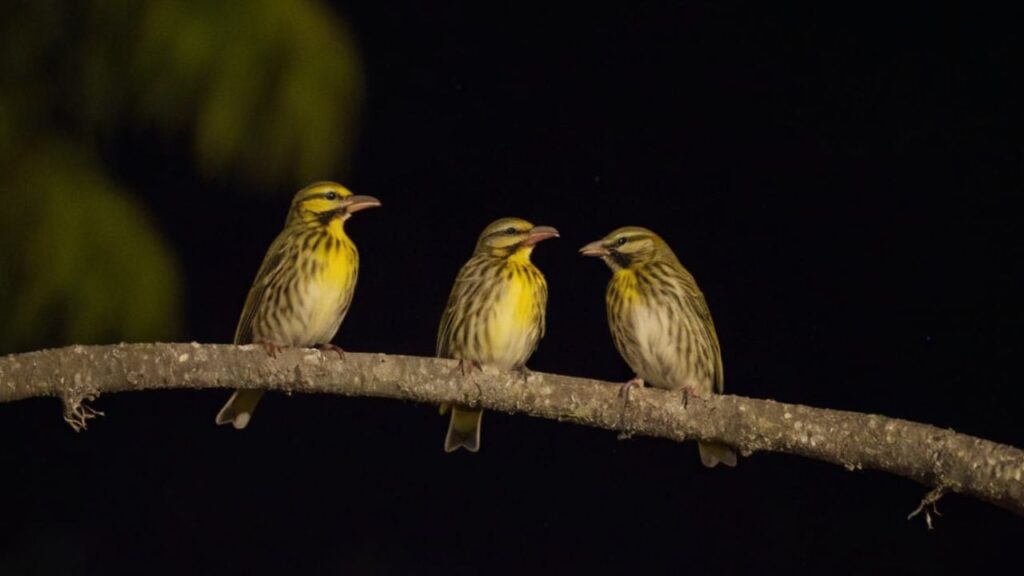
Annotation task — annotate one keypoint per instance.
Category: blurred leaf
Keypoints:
(81, 260)
(268, 89)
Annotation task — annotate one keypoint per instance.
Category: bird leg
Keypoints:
(466, 366)
(328, 347)
(271, 347)
(634, 381)
(689, 392)
(523, 371)
(463, 368)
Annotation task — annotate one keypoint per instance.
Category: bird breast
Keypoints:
(656, 351)
(328, 293)
(512, 324)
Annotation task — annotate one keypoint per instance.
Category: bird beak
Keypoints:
(595, 248)
(357, 203)
(538, 234)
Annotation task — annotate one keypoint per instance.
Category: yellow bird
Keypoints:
(495, 313)
(304, 286)
(660, 321)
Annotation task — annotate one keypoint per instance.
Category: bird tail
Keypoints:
(463, 429)
(713, 454)
(238, 409)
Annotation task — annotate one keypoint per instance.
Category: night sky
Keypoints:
(842, 184)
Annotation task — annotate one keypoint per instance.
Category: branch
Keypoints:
(943, 459)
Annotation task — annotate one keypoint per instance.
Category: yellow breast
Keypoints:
(329, 291)
(627, 282)
(513, 327)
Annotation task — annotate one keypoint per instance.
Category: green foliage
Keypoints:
(90, 264)
(267, 91)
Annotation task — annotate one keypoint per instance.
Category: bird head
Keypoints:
(506, 237)
(325, 201)
(628, 247)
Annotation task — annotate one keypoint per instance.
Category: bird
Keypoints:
(660, 321)
(304, 286)
(495, 313)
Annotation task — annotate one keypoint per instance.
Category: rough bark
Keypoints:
(942, 459)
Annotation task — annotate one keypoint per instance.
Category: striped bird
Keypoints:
(304, 286)
(660, 321)
(495, 313)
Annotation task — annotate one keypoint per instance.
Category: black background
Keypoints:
(842, 183)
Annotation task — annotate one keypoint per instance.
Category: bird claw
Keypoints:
(328, 347)
(687, 394)
(271, 347)
(466, 366)
(523, 372)
(636, 381)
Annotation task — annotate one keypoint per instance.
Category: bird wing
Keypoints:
(271, 267)
(444, 331)
(708, 326)
(542, 305)
(700, 306)
(469, 283)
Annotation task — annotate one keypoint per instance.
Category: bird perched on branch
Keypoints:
(304, 286)
(495, 313)
(660, 321)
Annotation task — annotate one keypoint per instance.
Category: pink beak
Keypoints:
(357, 203)
(539, 234)
(595, 248)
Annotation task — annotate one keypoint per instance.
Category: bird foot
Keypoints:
(636, 381)
(523, 372)
(271, 347)
(466, 366)
(687, 394)
(328, 347)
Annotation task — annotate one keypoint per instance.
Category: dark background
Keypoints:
(842, 183)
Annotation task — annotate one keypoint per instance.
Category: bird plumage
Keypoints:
(495, 312)
(304, 286)
(660, 321)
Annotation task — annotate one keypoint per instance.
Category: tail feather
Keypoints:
(463, 429)
(238, 410)
(713, 454)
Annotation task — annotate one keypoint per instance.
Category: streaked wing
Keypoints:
(271, 268)
(451, 310)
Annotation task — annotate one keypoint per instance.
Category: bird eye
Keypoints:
(620, 241)
(510, 230)
(331, 195)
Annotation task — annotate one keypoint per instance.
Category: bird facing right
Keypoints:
(495, 313)
(304, 287)
(659, 320)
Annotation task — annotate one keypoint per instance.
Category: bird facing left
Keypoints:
(304, 286)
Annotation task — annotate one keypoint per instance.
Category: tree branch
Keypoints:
(943, 459)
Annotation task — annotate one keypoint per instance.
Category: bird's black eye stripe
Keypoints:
(620, 241)
(331, 195)
(510, 230)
